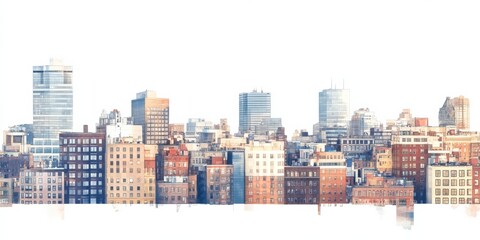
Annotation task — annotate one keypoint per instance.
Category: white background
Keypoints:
(202, 54)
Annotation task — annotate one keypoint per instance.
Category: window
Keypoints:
(461, 173)
(445, 192)
(461, 182)
(437, 191)
(445, 173)
(453, 173)
(445, 182)
(437, 182)
(453, 182)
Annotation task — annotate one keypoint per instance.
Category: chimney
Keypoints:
(85, 128)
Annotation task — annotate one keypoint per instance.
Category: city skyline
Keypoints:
(389, 62)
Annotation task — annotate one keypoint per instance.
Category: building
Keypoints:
(382, 156)
(264, 172)
(177, 190)
(236, 158)
(175, 184)
(381, 137)
(6, 191)
(82, 155)
(52, 110)
(216, 185)
(334, 108)
(455, 112)
(111, 119)
(359, 147)
(268, 126)
(333, 176)
(362, 121)
(42, 186)
(254, 107)
(449, 183)
(302, 184)
(15, 140)
(380, 190)
(176, 133)
(130, 173)
(10, 166)
(153, 114)
(197, 125)
(475, 180)
(410, 155)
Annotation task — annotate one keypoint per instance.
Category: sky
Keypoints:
(201, 54)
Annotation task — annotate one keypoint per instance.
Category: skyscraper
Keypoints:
(153, 114)
(456, 112)
(253, 108)
(52, 110)
(333, 114)
(334, 107)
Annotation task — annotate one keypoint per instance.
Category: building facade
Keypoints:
(236, 158)
(130, 173)
(153, 114)
(82, 156)
(449, 183)
(333, 177)
(455, 112)
(52, 109)
(253, 108)
(264, 172)
(42, 186)
(302, 184)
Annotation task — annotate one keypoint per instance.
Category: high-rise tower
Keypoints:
(52, 110)
(153, 114)
(253, 108)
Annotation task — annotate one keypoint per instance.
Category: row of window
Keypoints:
(453, 182)
(447, 200)
(82, 141)
(453, 192)
(452, 173)
(83, 157)
(279, 155)
(81, 149)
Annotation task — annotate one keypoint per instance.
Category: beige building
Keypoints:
(153, 114)
(449, 183)
(383, 159)
(42, 186)
(264, 172)
(130, 173)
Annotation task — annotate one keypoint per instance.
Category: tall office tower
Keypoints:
(334, 108)
(254, 107)
(52, 110)
(82, 155)
(153, 114)
(455, 112)
(362, 121)
(333, 114)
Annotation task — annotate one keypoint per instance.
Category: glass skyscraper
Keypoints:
(334, 107)
(253, 108)
(237, 159)
(52, 110)
(334, 113)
